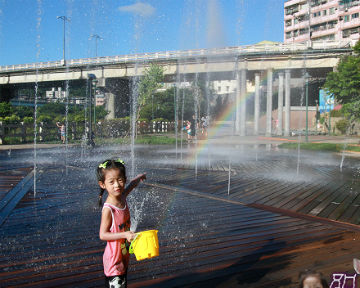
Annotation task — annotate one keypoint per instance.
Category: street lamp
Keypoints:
(64, 18)
(96, 37)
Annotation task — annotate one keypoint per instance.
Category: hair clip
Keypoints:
(103, 165)
(120, 161)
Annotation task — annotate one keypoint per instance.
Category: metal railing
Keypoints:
(168, 55)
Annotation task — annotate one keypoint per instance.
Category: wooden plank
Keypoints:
(13, 197)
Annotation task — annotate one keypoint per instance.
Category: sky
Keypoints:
(31, 32)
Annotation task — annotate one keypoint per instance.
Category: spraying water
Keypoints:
(176, 97)
(207, 116)
(66, 121)
(196, 115)
(35, 134)
(38, 24)
(304, 81)
(343, 156)
(134, 105)
(229, 177)
(182, 121)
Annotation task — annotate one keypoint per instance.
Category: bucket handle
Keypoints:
(131, 249)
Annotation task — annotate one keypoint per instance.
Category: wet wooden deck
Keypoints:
(320, 191)
(206, 237)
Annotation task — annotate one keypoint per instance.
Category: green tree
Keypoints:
(161, 105)
(344, 83)
(342, 125)
(52, 109)
(23, 111)
(5, 109)
(152, 80)
(205, 97)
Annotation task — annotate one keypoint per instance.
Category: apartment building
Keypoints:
(319, 20)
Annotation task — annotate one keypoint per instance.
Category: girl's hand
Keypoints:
(141, 177)
(138, 178)
(130, 236)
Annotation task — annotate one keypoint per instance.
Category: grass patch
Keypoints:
(112, 141)
(327, 147)
(155, 140)
(355, 148)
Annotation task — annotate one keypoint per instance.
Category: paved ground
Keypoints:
(31, 146)
(280, 213)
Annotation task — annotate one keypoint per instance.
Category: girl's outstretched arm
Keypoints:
(134, 182)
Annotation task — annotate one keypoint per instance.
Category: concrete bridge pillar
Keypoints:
(243, 102)
(280, 104)
(257, 104)
(269, 101)
(287, 103)
(110, 105)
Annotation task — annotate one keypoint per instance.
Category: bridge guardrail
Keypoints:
(257, 48)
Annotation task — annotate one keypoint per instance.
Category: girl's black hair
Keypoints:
(306, 273)
(100, 173)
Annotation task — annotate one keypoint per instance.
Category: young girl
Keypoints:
(115, 220)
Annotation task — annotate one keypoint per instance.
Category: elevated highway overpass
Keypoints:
(322, 55)
(282, 65)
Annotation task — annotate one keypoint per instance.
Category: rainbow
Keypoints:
(227, 114)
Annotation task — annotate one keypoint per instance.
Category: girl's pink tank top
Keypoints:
(116, 256)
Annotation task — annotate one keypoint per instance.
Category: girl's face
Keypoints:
(114, 183)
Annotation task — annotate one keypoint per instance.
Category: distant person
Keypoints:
(192, 127)
(91, 138)
(115, 220)
(204, 125)
(187, 128)
(312, 279)
(62, 131)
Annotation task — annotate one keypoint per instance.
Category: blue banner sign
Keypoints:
(326, 101)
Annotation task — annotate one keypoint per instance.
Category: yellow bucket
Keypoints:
(145, 245)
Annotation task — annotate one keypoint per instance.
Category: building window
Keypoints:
(304, 31)
(296, 21)
(296, 33)
(346, 18)
(288, 35)
(332, 24)
(292, 9)
(332, 10)
(324, 12)
(315, 3)
(355, 15)
(326, 37)
(288, 23)
(316, 14)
